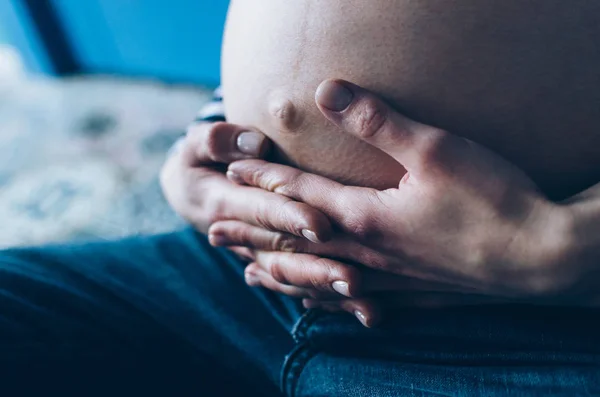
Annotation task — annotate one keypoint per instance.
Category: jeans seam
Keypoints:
(297, 359)
(294, 365)
(299, 331)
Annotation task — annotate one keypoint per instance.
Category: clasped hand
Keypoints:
(463, 226)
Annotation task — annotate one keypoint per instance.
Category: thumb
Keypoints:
(364, 115)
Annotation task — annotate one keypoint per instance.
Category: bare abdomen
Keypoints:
(519, 77)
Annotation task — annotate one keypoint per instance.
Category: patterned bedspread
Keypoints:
(79, 157)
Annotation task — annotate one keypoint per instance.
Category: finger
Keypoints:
(273, 212)
(373, 275)
(240, 234)
(243, 252)
(208, 194)
(203, 196)
(222, 143)
(339, 202)
(364, 115)
(285, 180)
(237, 233)
(366, 310)
(255, 276)
(311, 272)
(185, 189)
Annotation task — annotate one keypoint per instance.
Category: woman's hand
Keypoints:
(302, 269)
(194, 183)
(325, 283)
(461, 216)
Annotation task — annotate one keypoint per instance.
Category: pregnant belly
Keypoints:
(519, 77)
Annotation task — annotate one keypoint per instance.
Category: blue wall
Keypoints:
(177, 40)
(172, 39)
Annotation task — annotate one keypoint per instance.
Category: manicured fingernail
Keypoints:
(235, 178)
(217, 240)
(362, 318)
(250, 142)
(252, 279)
(341, 287)
(310, 304)
(311, 236)
(334, 95)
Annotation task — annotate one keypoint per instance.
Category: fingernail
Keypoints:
(334, 96)
(341, 287)
(250, 142)
(362, 318)
(235, 178)
(217, 240)
(311, 236)
(252, 279)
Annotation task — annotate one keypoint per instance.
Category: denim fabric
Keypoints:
(170, 315)
(163, 315)
(492, 351)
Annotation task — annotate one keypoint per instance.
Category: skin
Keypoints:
(540, 251)
(517, 77)
(434, 227)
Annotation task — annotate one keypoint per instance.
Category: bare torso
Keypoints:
(519, 77)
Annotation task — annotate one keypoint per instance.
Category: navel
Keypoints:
(285, 115)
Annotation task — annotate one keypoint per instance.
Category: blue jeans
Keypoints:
(170, 315)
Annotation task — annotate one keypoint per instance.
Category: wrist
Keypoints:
(550, 252)
(578, 254)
